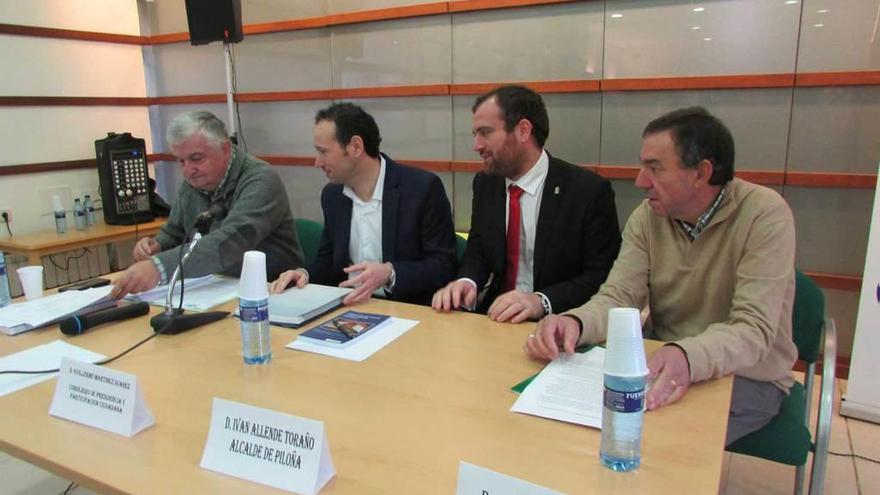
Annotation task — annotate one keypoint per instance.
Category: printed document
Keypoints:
(199, 294)
(568, 389)
(24, 316)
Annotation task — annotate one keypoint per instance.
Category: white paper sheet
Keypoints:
(41, 311)
(569, 389)
(366, 347)
(200, 294)
(41, 357)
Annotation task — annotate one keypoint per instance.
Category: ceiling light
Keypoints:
(818, 25)
(822, 11)
(616, 16)
(695, 28)
(698, 9)
(707, 39)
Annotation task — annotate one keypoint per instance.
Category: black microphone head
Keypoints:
(72, 326)
(205, 218)
(216, 210)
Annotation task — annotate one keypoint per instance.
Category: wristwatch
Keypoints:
(545, 303)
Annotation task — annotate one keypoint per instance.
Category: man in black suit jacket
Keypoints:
(388, 228)
(570, 236)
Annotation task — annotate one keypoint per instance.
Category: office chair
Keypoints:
(309, 233)
(460, 243)
(786, 438)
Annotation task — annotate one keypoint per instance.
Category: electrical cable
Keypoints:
(98, 363)
(857, 456)
(6, 218)
(66, 267)
(235, 92)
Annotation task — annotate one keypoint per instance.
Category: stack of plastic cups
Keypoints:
(253, 295)
(626, 374)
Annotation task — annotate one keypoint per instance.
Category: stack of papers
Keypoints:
(199, 294)
(294, 306)
(21, 317)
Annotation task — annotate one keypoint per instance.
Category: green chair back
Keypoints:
(460, 244)
(309, 233)
(786, 438)
(807, 317)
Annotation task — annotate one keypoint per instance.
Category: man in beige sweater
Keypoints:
(713, 258)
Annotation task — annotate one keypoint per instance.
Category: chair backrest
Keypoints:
(309, 233)
(460, 243)
(807, 317)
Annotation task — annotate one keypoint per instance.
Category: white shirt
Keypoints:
(365, 237)
(532, 184)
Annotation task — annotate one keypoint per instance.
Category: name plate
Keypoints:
(101, 398)
(476, 480)
(268, 447)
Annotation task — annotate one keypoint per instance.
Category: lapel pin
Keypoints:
(556, 191)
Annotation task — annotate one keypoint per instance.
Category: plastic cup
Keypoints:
(252, 284)
(624, 350)
(31, 281)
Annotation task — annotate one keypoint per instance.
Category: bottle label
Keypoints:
(254, 314)
(60, 214)
(625, 402)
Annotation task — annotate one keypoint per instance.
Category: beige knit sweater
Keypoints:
(725, 298)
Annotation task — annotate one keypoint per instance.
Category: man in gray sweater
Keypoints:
(256, 210)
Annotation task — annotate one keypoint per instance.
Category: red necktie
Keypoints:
(514, 220)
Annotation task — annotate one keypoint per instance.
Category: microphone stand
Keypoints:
(173, 320)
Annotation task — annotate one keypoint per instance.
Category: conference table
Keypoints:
(35, 246)
(398, 422)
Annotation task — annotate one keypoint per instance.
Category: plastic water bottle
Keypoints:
(253, 308)
(620, 449)
(256, 346)
(60, 215)
(626, 373)
(4, 283)
(79, 214)
(90, 210)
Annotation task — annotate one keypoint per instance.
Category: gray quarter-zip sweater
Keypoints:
(258, 218)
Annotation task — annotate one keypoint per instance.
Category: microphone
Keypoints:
(76, 325)
(205, 218)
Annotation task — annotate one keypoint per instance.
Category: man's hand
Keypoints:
(456, 294)
(299, 277)
(372, 276)
(145, 247)
(670, 376)
(139, 277)
(515, 307)
(553, 333)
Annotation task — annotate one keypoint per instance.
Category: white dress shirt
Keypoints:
(365, 237)
(532, 184)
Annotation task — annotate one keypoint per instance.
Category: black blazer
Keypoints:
(576, 242)
(418, 236)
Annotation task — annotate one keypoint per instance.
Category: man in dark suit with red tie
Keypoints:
(544, 232)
